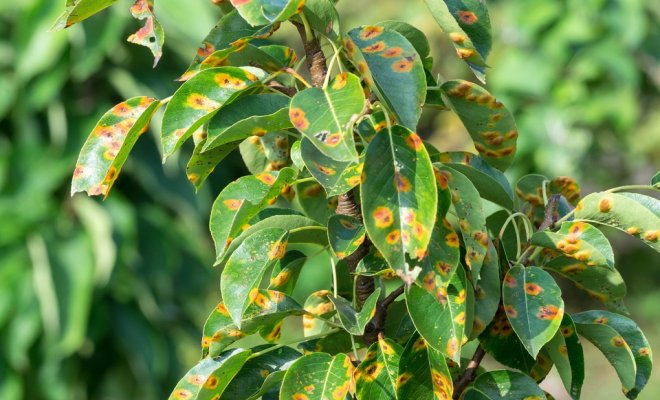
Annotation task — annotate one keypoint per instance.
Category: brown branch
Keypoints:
(375, 327)
(287, 90)
(316, 61)
(549, 218)
(470, 372)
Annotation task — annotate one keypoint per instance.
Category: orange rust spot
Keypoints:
(467, 17)
(374, 48)
(383, 217)
(370, 32)
(651, 236)
(452, 239)
(403, 65)
(297, 116)
(618, 341)
(393, 236)
(333, 140)
(414, 141)
(392, 52)
(277, 250)
(340, 81)
(533, 289)
(401, 183)
(233, 204)
(465, 53)
(605, 205)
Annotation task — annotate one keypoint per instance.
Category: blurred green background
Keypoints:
(106, 300)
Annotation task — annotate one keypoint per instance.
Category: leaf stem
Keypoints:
(296, 75)
(308, 28)
(632, 187)
(303, 180)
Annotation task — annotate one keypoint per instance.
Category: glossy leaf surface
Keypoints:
(318, 307)
(439, 265)
(504, 385)
(355, 321)
(345, 235)
(487, 292)
(376, 376)
(423, 373)
(318, 376)
(262, 12)
(323, 18)
(566, 353)
(151, 35)
(108, 145)
(202, 163)
(500, 341)
(269, 152)
(392, 68)
(78, 10)
(336, 177)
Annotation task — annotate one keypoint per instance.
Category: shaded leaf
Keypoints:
(355, 321)
(336, 177)
(398, 324)
(499, 340)
(488, 122)
(202, 164)
(655, 181)
(286, 272)
(345, 235)
(372, 124)
(423, 373)
(151, 35)
(416, 37)
(318, 376)
(318, 306)
(271, 58)
(622, 212)
(530, 188)
(442, 259)
(108, 145)
(486, 292)
(376, 376)
(501, 385)
(78, 10)
(398, 196)
(314, 201)
(326, 115)
(333, 344)
(566, 353)
(392, 68)
(323, 18)
(269, 152)
(262, 12)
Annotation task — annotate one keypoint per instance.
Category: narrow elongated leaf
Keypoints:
(490, 182)
(468, 25)
(392, 68)
(262, 12)
(240, 201)
(633, 336)
(355, 321)
(251, 115)
(345, 235)
(504, 385)
(471, 218)
(326, 115)
(210, 376)
(566, 353)
(108, 145)
(612, 344)
(336, 177)
(532, 301)
(439, 265)
(488, 122)
(376, 376)
(245, 268)
(486, 292)
(440, 319)
(78, 10)
(579, 241)
(621, 212)
(399, 196)
(423, 373)
(318, 376)
(151, 35)
(199, 99)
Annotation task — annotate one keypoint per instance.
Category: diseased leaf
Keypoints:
(423, 373)
(262, 12)
(504, 385)
(210, 376)
(499, 340)
(269, 152)
(323, 18)
(634, 338)
(240, 201)
(471, 218)
(199, 99)
(336, 177)
(376, 376)
(622, 212)
(530, 188)
(326, 115)
(655, 181)
(488, 122)
(468, 25)
(270, 58)
(612, 344)
(333, 344)
(345, 235)
(202, 164)
(372, 124)
(318, 376)
(268, 307)
(151, 35)
(486, 292)
(566, 353)
(398, 197)
(78, 10)
(355, 321)
(314, 201)
(318, 307)
(532, 302)
(286, 272)
(439, 265)
(392, 68)
(108, 145)
(416, 37)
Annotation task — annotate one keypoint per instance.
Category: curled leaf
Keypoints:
(151, 35)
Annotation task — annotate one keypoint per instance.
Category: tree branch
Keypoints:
(469, 373)
(316, 61)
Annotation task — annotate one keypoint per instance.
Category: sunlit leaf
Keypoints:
(345, 235)
(566, 353)
(439, 265)
(199, 99)
(622, 212)
(504, 385)
(271, 58)
(285, 273)
(488, 122)
(325, 115)
(151, 35)
(416, 37)
(262, 12)
(318, 376)
(336, 177)
(423, 373)
(500, 342)
(392, 68)
(78, 10)
(355, 321)
(108, 145)
(202, 164)
(376, 376)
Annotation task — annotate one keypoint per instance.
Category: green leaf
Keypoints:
(471, 218)
(499, 340)
(262, 12)
(392, 68)
(633, 337)
(318, 306)
(532, 302)
(622, 212)
(579, 241)
(318, 376)
(286, 272)
(345, 235)
(504, 385)
(240, 201)
(250, 115)
(314, 202)
(268, 307)
(423, 373)
(78, 10)
(440, 319)
(336, 177)
(398, 196)
(612, 344)
(486, 292)
(416, 37)
(202, 164)
(210, 376)
(251, 380)
(269, 152)
(529, 189)
(270, 58)
(490, 182)
(372, 124)
(398, 324)
(108, 145)
(151, 35)
(355, 321)
(323, 18)
(245, 268)
(439, 265)
(326, 115)
(200, 98)
(488, 122)
(376, 376)
(655, 181)
(468, 25)
(566, 353)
